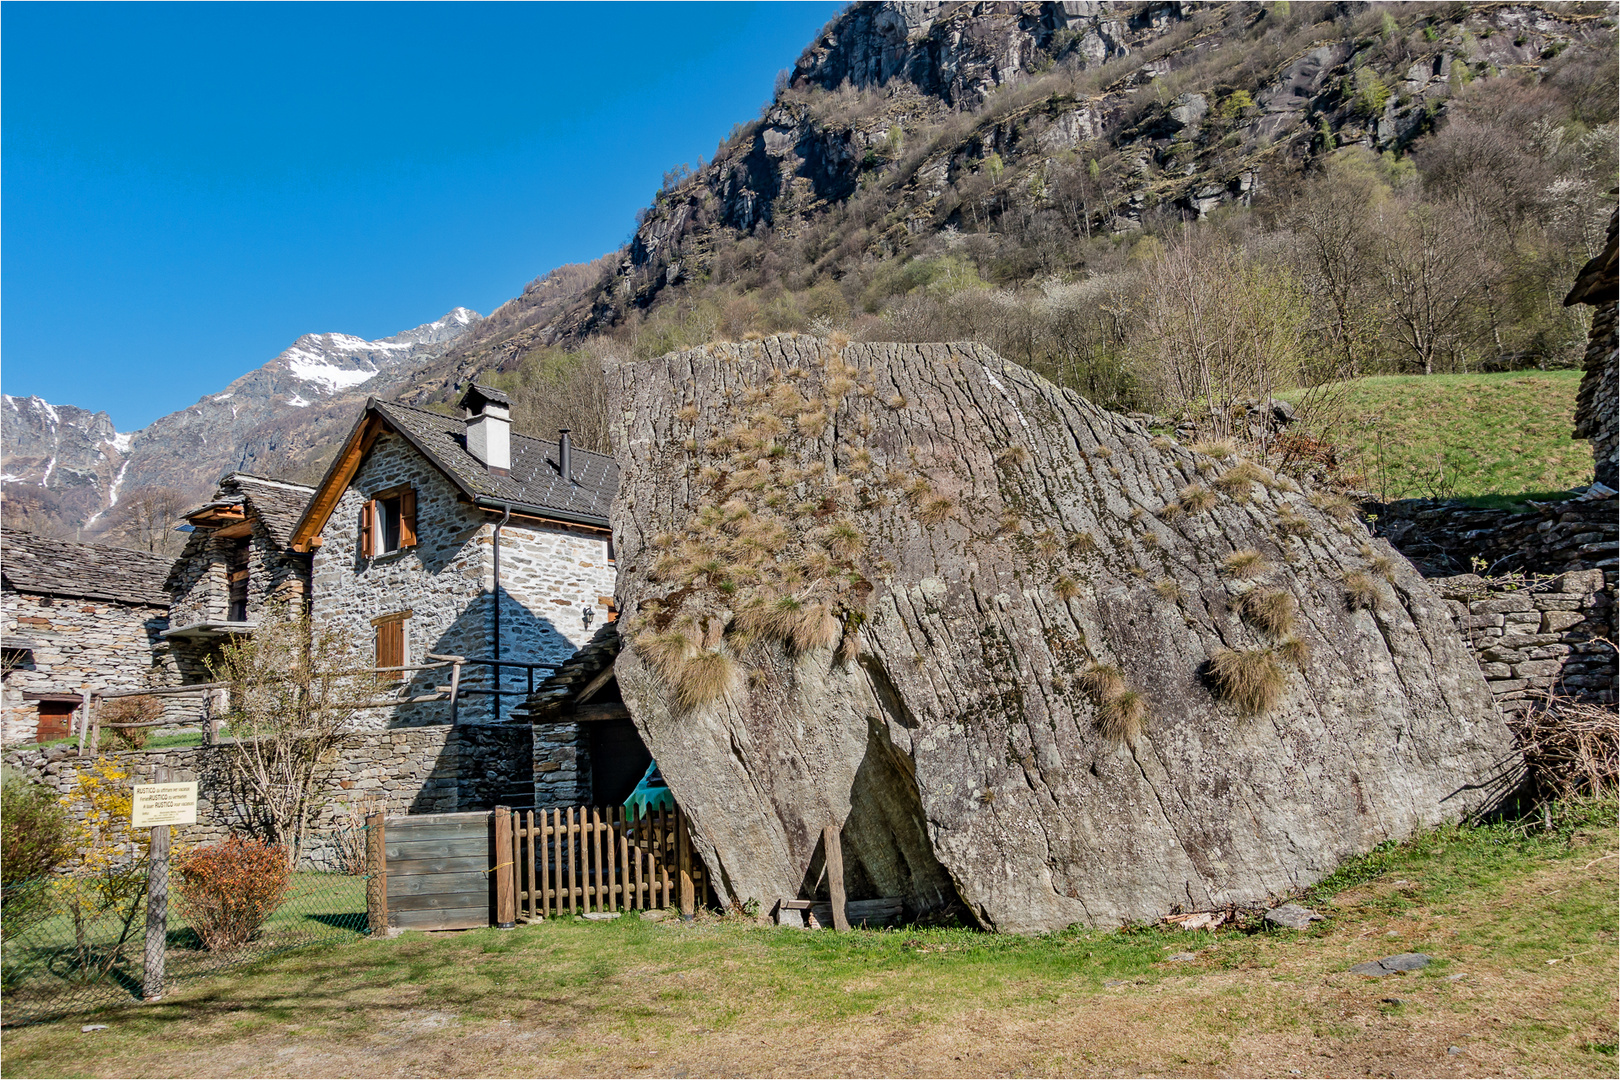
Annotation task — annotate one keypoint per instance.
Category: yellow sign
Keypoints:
(164, 804)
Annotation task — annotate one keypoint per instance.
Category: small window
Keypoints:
(388, 522)
(236, 574)
(391, 644)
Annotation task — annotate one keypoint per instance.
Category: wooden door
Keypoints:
(55, 720)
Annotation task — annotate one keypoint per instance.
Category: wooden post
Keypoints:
(534, 903)
(157, 905)
(376, 875)
(90, 721)
(505, 877)
(455, 689)
(833, 847)
(683, 865)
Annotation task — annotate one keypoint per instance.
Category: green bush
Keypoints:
(34, 830)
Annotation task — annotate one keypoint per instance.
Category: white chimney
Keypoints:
(489, 427)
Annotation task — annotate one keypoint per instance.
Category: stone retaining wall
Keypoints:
(1538, 639)
(1443, 538)
(422, 770)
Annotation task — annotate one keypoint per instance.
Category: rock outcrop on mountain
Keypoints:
(1027, 656)
(67, 467)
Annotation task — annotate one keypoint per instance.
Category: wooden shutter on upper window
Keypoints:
(407, 518)
(368, 528)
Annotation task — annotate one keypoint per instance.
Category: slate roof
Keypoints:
(40, 565)
(533, 481)
(576, 673)
(277, 503)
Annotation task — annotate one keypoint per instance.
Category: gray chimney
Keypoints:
(489, 427)
(565, 456)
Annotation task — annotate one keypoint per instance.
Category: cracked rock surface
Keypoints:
(978, 543)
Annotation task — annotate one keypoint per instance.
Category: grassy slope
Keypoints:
(1497, 435)
(1520, 925)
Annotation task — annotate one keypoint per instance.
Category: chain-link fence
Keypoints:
(101, 936)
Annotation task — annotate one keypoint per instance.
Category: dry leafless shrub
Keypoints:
(1360, 594)
(141, 709)
(1571, 747)
(1246, 563)
(1249, 678)
(1269, 610)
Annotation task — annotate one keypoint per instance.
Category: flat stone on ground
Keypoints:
(1389, 965)
(1292, 916)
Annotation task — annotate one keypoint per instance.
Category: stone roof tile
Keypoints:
(40, 565)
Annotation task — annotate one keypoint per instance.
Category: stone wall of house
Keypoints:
(202, 593)
(103, 644)
(1540, 637)
(421, 770)
(549, 575)
(1598, 408)
(562, 765)
(440, 581)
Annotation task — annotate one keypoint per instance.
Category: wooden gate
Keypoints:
(459, 871)
(578, 859)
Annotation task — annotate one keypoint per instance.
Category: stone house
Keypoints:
(77, 616)
(238, 559)
(1597, 405)
(423, 520)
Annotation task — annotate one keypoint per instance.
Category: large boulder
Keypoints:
(1032, 659)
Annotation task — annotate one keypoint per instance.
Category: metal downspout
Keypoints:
(505, 517)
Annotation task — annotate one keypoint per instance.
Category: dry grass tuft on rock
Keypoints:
(936, 510)
(1196, 498)
(1082, 543)
(1294, 651)
(703, 678)
(1240, 479)
(1292, 523)
(1013, 457)
(1120, 717)
(1360, 594)
(1334, 506)
(667, 652)
(1167, 589)
(1250, 679)
(1384, 567)
(1102, 681)
(1269, 610)
(1220, 449)
(1246, 563)
(1066, 588)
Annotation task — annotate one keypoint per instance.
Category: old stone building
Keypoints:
(77, 616)
(424, 519)
(239, 559)
(1598, 402)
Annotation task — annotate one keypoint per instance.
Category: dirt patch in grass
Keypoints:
(1521, 927)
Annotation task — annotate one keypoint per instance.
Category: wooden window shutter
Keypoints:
(368, 529)
(407, 518)
(391, 648)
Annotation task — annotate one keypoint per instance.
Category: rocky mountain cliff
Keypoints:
(65, 468)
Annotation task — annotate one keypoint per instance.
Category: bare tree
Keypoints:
(1333, 222)
(1219, 328)
(1432, 268)
(145, 519)
(294, 694)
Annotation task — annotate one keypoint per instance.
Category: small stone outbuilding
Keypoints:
(77, 616)
(238, 560)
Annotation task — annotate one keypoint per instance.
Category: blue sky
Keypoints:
(187, 188)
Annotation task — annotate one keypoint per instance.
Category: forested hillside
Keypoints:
(1157, 204)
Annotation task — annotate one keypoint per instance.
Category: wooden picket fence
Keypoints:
(579, 859)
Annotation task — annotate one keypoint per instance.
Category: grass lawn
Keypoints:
(1520, 925)
(1494, 437)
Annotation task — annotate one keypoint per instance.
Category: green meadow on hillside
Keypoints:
(1497, 438)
